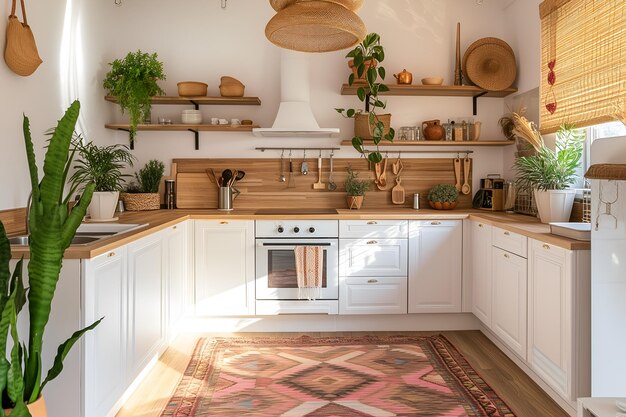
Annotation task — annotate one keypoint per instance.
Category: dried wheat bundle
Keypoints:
(527, 131)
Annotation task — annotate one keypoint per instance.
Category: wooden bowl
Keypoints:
(192, 89)
(438, 205)
(432, 81)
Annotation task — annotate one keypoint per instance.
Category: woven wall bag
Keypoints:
(20, 52)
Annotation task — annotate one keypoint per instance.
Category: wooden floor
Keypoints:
(524, 397)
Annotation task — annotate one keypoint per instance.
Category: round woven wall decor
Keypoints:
(315, 26)
(490, 64)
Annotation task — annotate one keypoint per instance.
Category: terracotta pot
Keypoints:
(368, 64)
(438, 205)
(354, 201)
(36, 409)
(433, 130)
(362, 128)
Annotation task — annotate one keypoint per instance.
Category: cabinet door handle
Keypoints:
(546, 246)
(174, 227)
(372, 242)
(372, 281)
(111, 254)
(507, 234)
(506, 255)
(435, 223)
(224, 222)
(480, 225)
(372, 222)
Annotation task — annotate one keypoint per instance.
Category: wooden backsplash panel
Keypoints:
(14, 220)
(261, 188)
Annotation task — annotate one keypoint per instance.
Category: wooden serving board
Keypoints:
(261, 187)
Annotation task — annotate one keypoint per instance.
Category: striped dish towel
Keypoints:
(309, 270)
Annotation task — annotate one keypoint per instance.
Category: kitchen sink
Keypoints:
(89, 232)
(78, 240)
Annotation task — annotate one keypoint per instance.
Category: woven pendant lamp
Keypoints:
(315, 25)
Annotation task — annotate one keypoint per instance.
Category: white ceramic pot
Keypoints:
(103, 204)
(554, 205)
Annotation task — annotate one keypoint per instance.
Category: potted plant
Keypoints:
(443, 197)
(144, 194)
(133, 81)
(548, 174)
(355, 188)
(51, 232)
(368, 124)
(101, 166)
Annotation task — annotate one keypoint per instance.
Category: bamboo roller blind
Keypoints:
(587, 39)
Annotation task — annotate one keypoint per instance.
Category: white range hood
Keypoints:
(295, 118)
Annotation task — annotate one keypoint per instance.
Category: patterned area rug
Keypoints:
(322, 377)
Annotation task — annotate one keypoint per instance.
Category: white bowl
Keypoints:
(192, 119)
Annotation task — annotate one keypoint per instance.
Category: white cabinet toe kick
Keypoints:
(280, 307)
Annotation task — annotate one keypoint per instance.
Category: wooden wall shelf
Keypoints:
(200, 101)
(383, 144)
(434, 91)
(179, 127)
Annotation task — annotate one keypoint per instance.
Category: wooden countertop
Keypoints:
(162, 219)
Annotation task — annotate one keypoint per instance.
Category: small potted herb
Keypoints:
(133, 81)
(368, 124)
(355, 189)
(443, 197)
(144, 193)
(102, 166)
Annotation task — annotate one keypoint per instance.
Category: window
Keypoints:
(605, 130)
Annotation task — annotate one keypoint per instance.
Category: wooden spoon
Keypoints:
(467, 163)
(382, 180)
(457, 173)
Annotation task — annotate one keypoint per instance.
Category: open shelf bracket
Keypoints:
(197, 138)
(475, 102)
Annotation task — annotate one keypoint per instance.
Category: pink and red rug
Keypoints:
(340, 376)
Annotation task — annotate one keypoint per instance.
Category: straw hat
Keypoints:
(315, 25)
(490, 64)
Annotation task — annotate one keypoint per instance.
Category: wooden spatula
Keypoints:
(457, 173)
(319, 185)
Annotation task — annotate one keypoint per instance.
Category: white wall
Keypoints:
(197, 40)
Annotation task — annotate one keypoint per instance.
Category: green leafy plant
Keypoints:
(102, 166)
(133, 80)
(444, 193)
(369, 49)
(148, 178)
(354, 185)
(51, 232)
(552, 170)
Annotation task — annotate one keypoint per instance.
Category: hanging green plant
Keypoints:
(133, 81)
(365, 55)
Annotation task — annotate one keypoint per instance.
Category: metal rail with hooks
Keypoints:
(290, 148)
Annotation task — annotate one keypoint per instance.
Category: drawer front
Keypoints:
(510, 242)
(384, 295)
(373, 257)
(389, 229)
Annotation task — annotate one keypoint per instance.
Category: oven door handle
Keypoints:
(291, 246)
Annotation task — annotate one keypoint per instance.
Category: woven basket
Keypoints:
(141, 201)
(361, 125)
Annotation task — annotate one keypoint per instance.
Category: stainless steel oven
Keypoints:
(276, 262)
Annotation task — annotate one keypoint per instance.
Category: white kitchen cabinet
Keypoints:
(510, 241)
(105, 292)
(373, 257)
(368, 229)
(224, 267)
(146, 302)
(558, 317)
(508, 320)
(177, 269)
(435, 266)
(481, 271)
(384, 295)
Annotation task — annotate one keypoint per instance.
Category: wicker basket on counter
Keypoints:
(141, 201)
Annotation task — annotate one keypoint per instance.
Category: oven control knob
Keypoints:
(296, 230)
(311, 229)
(280, 229)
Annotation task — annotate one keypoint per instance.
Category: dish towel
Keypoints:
(309, 270)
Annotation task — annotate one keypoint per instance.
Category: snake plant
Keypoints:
(52, 228)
